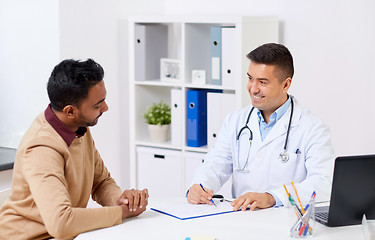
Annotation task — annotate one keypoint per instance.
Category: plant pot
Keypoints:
(158, 133)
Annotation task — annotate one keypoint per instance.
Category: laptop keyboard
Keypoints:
(322, 215)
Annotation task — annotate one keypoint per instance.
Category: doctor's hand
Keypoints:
(256, 200)
(197, 195)
(133, 202)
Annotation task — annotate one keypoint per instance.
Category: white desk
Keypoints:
(265, 224)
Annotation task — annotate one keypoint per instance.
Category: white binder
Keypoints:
(146, 38)
(140, 52)
(228, 39)
(218, 107)
(176, 117)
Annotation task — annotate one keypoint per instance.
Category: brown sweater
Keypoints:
(52, 183)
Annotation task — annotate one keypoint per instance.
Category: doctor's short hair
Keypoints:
(70, 82)
(274, 54)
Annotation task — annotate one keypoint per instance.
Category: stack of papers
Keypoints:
(186, 210)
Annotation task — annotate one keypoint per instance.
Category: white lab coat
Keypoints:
(310, 168)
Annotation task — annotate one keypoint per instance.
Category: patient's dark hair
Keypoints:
(71, 80)
(274, 54)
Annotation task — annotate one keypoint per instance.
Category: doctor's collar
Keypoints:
(276, 114)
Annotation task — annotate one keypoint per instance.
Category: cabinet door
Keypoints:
(160, 170)
(193, 160)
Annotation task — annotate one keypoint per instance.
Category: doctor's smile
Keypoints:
(257, 98)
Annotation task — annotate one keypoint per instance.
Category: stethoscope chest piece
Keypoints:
(284, 157)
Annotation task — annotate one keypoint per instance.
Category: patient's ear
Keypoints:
(69, 111)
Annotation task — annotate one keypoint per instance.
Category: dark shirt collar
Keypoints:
(61, 128)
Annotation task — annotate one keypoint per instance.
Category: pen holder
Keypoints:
(302, 221)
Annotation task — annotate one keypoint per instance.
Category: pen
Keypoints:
(206, 191)
(221, 198)
(312, 198)
(301, 223)
(298, 211)
(306, 226)
(304, 220)
(295, 190)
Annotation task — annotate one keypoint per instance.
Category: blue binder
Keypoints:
(196, 122)
(216, 44)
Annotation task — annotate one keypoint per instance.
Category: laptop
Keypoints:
(353, 192)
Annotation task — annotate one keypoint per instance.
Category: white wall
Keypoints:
(89, 31)
(97, 29)
(334, 62)
(29, 49)
(333, 47)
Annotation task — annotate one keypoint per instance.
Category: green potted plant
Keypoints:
(158, 118)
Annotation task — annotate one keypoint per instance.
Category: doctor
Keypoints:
(270, 143)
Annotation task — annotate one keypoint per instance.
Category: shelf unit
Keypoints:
(187, 39)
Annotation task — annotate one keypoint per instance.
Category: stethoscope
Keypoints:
(283, 156)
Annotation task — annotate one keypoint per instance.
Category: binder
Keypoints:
(196, 122)
(153, 41)
(219, 105)
(215, 55)
(176, 117)
(139, 52)
(228, 62)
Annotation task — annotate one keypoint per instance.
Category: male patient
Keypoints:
(57, 166)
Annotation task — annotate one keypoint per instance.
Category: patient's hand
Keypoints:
(133, 202)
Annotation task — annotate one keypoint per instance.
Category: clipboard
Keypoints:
(185, 211)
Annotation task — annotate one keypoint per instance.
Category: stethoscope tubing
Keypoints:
(251, 137)
(290, 123)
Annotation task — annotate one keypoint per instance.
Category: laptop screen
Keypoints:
(353, 190)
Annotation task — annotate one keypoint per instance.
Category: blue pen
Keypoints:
(206, 191)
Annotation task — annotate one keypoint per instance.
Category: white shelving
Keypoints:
(188, 40)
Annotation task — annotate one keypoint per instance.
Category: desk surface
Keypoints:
(265, 224)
